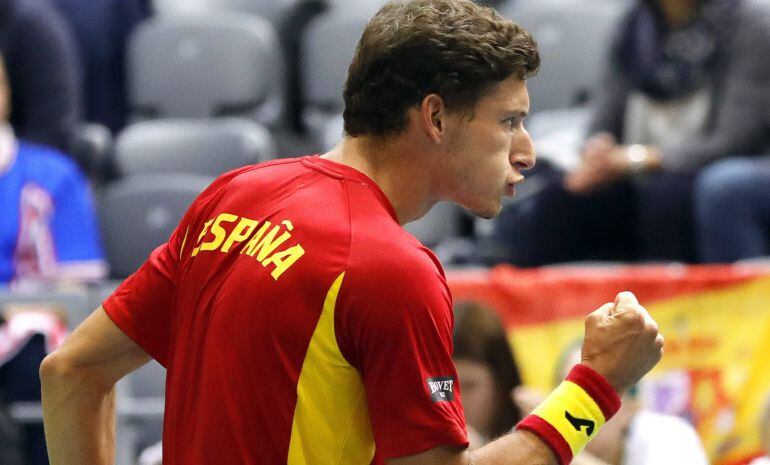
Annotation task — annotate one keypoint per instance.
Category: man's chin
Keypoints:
(488, 212)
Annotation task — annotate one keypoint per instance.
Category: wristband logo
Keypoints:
(441, 388)
(579, 423)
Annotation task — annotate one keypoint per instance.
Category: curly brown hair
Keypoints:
(454, 48)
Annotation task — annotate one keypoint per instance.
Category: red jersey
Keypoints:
(298, 322)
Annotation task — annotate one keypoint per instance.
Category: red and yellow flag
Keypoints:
(716, 320)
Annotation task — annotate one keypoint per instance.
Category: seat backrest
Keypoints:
(574, 38)
(272, 10)
(328, 45)
(443, 221)
(203, 65)
(139, 213)
(205, 147)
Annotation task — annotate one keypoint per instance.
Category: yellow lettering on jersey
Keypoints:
(283, 260)
(263, 243)
(249, 248)
(241, 232)
(200, 236)
(267, 244)
(218, 231)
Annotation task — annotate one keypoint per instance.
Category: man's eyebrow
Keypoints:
(516, 113)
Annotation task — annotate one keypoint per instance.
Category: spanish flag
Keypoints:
(716, 319)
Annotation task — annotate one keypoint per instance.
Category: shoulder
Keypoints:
(394, 257)
(48, 166)
(394, 293)
(392, 281)
(244, 177)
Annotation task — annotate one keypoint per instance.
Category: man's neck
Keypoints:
(396, 170)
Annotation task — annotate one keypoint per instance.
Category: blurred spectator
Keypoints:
(688, 83)
(153, 455)
(634, 436)
(488, 373)
(27, 335)
(101, 30)
(42, 65)
(48, 230)
(10, 448)
(764, 435)
(732, 207)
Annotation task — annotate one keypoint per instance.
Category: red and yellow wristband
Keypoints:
(573, 414)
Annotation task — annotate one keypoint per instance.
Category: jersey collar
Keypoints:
(340, 171)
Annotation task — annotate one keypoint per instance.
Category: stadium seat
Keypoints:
(272, 10)
(443, 221)
(573, 37)
(139, 213)
(140, 405)
(90, 145)
(324, 67)
(205, 147)
(205, 65)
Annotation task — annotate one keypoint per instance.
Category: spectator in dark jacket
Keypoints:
(43, 70)
(101, 29)
(688, 83)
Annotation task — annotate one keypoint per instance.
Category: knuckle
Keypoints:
(635, 317)
(652, 327)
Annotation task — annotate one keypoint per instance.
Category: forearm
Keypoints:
(517, 448)
(586, 458)
(79, 417)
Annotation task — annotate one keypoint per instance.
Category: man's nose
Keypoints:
(523, 155)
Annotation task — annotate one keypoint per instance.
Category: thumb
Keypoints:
(625, 299)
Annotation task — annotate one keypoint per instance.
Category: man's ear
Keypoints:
(433, 117)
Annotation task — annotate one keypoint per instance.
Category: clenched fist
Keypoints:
(622, 342)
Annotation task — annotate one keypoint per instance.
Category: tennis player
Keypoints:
(299, 323)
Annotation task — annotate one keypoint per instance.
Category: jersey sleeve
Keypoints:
(142, 306)
(396, 329)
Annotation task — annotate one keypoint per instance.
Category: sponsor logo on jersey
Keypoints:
(441, 388)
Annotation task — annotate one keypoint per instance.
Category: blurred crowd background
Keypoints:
(651, 119)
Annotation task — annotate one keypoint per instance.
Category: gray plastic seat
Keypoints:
(139, 213)
(328, 45)
(206, 65)
(206, 147)
(272, 10)
(574, 38)
(442, 222)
